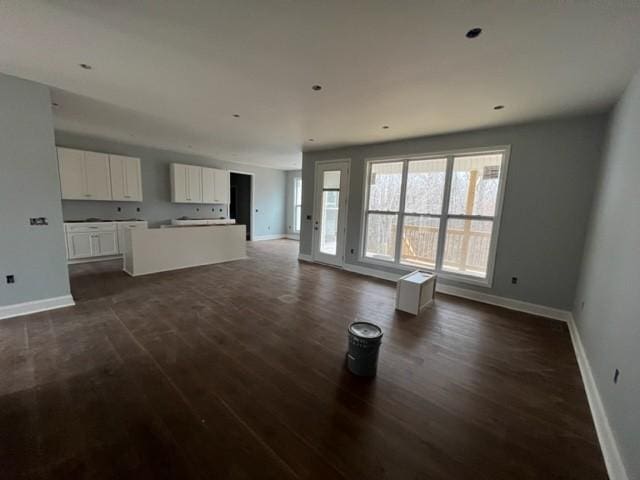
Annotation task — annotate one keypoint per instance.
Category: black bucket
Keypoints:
(364, 344)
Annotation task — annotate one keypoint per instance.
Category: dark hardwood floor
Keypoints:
(236, 371)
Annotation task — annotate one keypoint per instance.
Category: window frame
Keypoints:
(444, 216)
(297, 184)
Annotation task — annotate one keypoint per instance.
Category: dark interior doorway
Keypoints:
(240, 206)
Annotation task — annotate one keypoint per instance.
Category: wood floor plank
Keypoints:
(236, 371)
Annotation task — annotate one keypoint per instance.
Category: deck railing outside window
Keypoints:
(435, 213)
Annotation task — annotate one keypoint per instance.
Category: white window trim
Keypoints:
(297, 178)
(497, 218)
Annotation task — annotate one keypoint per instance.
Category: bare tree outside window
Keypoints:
(437, 213)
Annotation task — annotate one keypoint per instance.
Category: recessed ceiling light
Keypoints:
(473, 33)
(55, 104)
(316, 87)
(236, 115)
(86, 66)
(385, 126)
(498, 107)
(311, 139)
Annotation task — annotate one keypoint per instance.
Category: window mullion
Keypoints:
(363, 234)
(445, 210)
(399, 227)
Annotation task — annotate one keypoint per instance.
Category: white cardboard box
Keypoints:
(415, 291)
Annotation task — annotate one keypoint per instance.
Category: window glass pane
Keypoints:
(329, 225)
(331, 179)
(384, 187)
(420, 241)
(425, 186)
(296, 219)
(466, 248)
(298, 191)
(381, 236)
(474, 184)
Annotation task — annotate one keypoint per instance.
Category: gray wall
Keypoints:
(291, 176)
(549, 190)
(269, 185)
(29, 187)
(609, 323)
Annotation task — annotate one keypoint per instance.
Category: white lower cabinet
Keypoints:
(122, 227)
(86, 240)
(78, 245)
(104, 243)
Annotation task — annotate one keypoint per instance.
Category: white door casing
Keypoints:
(331, 197)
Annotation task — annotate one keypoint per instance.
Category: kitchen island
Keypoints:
(161, 249)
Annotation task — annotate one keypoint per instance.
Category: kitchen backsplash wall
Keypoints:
(109, 210)
(156, 207)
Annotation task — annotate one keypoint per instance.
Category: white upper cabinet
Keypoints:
(221, 187)
(186, 183)
(98, 176)
(193, 184)
(72, 174)
(126, 180)
(208, 185)
(179, 193)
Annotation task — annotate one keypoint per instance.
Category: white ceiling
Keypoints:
(171, 73)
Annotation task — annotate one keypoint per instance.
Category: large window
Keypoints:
(297, 203)
(435, 212)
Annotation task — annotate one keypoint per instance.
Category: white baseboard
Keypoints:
(259, 238)
(94, 259)
(305, 258)
(371, 272)
(509, 303)
(608, 444)
(292, 236)
(35, 306)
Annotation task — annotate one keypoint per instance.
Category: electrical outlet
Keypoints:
(616, 374)
(11, 279)
(138, 209)
(119, 209)
(514, 280)
(38, 221)
(197, 209)
(353, 250)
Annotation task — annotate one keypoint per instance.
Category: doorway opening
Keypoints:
(240, 201)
